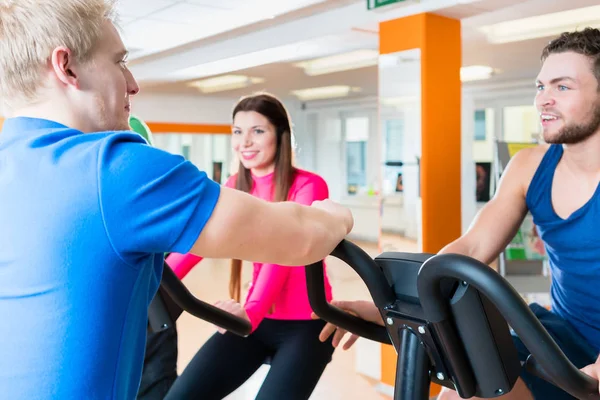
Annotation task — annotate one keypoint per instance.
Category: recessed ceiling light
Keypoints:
(225, 82)
(325, 92)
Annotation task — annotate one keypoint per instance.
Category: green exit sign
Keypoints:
(372, 4)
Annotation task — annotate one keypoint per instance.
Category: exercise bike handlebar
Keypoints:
(184, 299)
(547, 360)
(370, 273)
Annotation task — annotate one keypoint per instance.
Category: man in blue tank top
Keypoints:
(558, 182)
(87, 209)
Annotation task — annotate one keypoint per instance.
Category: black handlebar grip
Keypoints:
(534, 368)
(370, 273)
(315, 283)
(379, 288)
(184, 299)
(556, 366)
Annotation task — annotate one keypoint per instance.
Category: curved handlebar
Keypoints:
(549, 358)
(184, 299)
(370, 273)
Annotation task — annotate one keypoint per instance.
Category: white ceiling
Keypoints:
(175, 42)
(151, 26)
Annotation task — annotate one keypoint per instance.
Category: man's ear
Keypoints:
(63, 66)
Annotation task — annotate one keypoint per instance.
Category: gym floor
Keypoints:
(209, 281)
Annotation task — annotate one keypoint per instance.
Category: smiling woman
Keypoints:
(277, 303)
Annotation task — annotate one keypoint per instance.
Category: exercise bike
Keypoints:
(448, 318)
(173, 298)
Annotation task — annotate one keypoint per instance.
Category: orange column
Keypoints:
(439, 41)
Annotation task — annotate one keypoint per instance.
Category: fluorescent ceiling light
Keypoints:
(244, 61)
(225, 82)
(542, 25)
(325, 92)
(340, 62)
(476, 73)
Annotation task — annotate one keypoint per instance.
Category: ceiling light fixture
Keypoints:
(325, 92)
(340, 62)
(476, 73)
(225, 82)
(542, 25)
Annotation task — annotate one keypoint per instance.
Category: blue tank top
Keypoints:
(573, 248)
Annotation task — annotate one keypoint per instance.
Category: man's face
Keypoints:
(106, 84)
(567, 98)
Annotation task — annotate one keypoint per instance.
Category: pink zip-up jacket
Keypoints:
(273, 285)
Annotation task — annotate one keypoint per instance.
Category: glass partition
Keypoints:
(400, 129)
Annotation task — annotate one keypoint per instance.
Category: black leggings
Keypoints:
(297, 356)
(160, 364)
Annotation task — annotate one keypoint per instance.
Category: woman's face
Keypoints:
(255, 142)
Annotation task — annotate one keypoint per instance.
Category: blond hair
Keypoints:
(30, 30)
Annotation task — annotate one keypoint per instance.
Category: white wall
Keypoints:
(521, 123)
(182, 108)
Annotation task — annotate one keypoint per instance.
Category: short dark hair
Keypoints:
(586, 42)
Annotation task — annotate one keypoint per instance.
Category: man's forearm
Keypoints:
(456, 247)
(285, 233)
(321, 231)
(464, 247)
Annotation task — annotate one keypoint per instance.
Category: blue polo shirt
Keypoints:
(84, 222)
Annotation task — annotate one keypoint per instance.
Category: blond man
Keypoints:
(87, 209)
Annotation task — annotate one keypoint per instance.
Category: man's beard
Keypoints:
(573, 134)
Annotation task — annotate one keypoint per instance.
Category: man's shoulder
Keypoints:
(119, 149)
(115, 138)
(525, 163)
(527, 160)
(532, 154)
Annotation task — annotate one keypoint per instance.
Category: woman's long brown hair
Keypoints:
(272, 109)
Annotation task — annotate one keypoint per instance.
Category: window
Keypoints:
(393, 149)
(185, 151)
(480, 128)
(484, 135)
(356, 131)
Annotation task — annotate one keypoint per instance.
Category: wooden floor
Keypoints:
(209, 281)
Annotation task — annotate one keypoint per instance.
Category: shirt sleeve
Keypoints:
(272, 278)
(312, 190)
(269, 283)
(182, 264)
(231, 181)
(152, 201)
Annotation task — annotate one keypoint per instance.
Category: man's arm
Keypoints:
(498, 221)
(286, 233)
